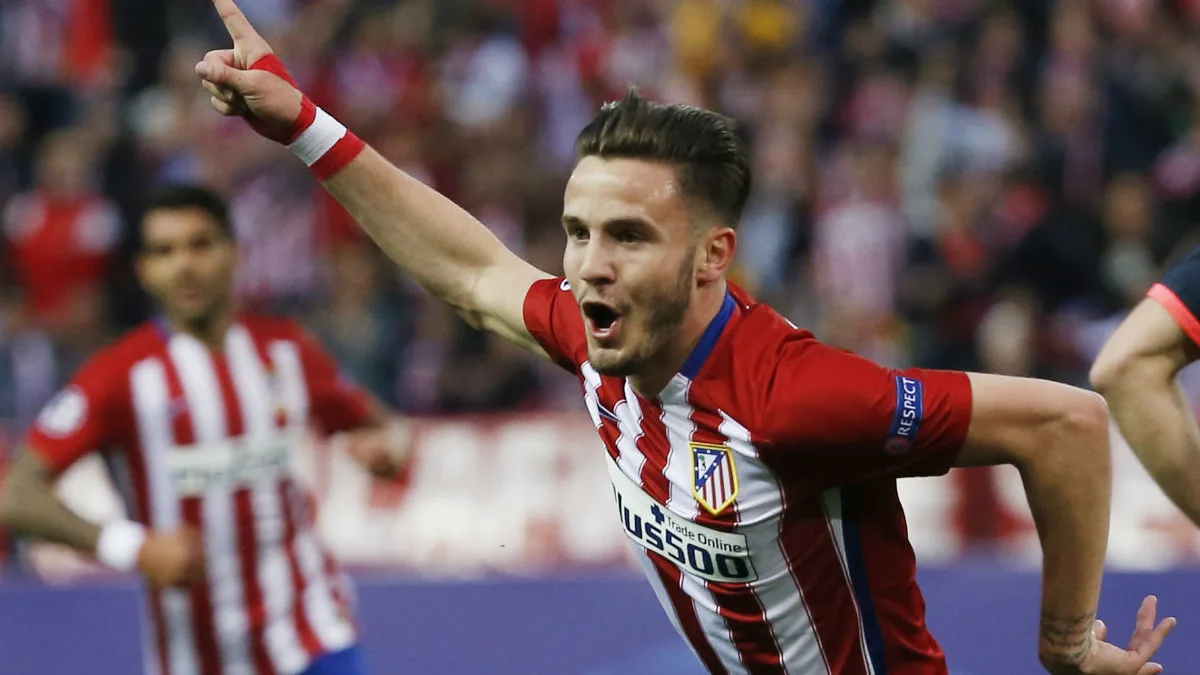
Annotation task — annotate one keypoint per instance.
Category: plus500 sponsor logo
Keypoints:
(699, 550)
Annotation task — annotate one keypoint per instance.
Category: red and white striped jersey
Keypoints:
(758, 489)
(199, 438)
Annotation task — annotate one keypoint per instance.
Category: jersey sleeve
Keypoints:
(838, 418)
(85, 417)
(1179, 293)
(336, 401)
(552, 317)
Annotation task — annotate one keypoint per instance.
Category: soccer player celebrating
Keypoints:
(198, 412)
(754, 468)
(1136, 371)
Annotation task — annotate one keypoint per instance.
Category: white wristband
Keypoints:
(318, 139)
(120, 543)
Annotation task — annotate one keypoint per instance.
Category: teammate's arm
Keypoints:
(383, 443)
(1136, 372)
(1057, 437)
(29, 506)
(85, 417)
(444, 248)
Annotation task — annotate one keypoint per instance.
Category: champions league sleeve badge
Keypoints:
(716, 476)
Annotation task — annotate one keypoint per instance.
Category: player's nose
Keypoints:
(596, 266)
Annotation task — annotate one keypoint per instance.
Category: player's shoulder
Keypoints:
(106, 371)
(764, 338)
(142, 342)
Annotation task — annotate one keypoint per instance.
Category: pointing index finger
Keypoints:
(235, 22)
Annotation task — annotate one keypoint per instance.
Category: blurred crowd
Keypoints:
(945, 183)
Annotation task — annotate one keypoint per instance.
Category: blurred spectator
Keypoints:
(363, 330)
(61, 235)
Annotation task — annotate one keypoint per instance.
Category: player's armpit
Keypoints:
(29, 506)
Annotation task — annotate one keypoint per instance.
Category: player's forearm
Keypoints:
(28, 506)
(1068, 484)
(1154, 417)
(440, 245)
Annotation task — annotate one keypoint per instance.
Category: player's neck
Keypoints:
(652, 379)
(210, 331)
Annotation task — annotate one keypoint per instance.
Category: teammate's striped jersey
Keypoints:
(758, 489)
(202, 438)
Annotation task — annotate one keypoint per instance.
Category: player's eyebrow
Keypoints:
(630, 222)
(569, 222)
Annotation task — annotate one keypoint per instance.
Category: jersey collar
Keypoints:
(708, 341)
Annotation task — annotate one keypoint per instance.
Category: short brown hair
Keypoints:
(714, 166)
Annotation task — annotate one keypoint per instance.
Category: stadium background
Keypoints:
(945, 183)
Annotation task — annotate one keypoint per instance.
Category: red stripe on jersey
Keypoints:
(287, 492)
(340, 596)
(191, 514)
(610, 429)
(654, 475)
(685, 610)
(256, 609)
(243, 517)
(811, 553)
(201, 595)
(308, 636)
(743, 612)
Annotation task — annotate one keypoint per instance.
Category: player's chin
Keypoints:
(192, 310)
(612, 361)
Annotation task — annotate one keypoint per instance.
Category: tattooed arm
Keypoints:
(1068, 636)
(1057, 437)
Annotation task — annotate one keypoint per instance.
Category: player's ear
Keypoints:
(716, 254)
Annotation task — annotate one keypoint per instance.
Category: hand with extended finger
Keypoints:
(1065, 651)
(251, 82)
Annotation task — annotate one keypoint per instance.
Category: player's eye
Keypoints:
(578, 233)
(627, 236)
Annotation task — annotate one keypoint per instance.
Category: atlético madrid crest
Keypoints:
(716, 476)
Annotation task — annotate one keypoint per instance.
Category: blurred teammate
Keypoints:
(1136, 371)
(754, 468)
(197, 413)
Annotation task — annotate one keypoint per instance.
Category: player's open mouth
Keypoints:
(602, 320)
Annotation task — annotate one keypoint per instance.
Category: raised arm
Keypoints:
(444, 248)
(1135, 372)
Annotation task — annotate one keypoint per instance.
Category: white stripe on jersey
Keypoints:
(680, 473)
(258, 401)
(779, 593)
(332, 628)
(677, 420)
(629, 421)
(591, 399)
(152, 405)
(202, 389)
(831, 502)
